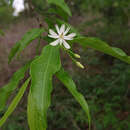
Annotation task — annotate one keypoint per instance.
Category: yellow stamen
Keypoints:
(62, 36)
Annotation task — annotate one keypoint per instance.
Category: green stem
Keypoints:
(69, 53)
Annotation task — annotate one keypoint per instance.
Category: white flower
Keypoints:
(61, 36)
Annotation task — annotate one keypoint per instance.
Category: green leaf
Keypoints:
(68, 82)
(25, 41)
(13, 51)
(14, 102)
(6, 90)
(42, 70)
(102, 47)
(61, 4)
(119, 51)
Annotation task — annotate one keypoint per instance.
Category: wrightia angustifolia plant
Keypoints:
(59, 35)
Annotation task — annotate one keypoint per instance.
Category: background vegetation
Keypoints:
(105, 83)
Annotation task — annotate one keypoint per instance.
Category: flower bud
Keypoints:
(77, 55)
(79, 65)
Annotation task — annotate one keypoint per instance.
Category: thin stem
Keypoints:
(70, 54)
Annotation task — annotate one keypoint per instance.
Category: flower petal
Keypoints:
(68, 38)
(52, 32)
(66, 45)
(57, 29)
(55, 42)
(67, 30)
(60, 41)
(53, 36)
(71, 35)
(62, 29)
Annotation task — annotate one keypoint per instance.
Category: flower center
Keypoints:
(61, 36)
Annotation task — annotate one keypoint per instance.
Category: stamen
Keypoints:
(62, 36)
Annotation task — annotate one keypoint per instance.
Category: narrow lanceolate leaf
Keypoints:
(62, 5)
(103, 47)
(68, 82)
(25, 41)
(13, 51)
(6, 90)
(42, 70)
(14, 102)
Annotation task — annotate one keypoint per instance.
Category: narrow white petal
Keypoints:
(66, 45)
(68, 38)
(60, 41)
(53, 36)
(55, 42)
(67, 30)
(62, 29)
(57, 29)
(52, 32)
(71, 35)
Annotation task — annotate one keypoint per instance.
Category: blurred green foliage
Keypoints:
(110, 19)
(6, 12)
(106, 85)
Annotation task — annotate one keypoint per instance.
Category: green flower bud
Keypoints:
(76, 55)
(79, 65)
